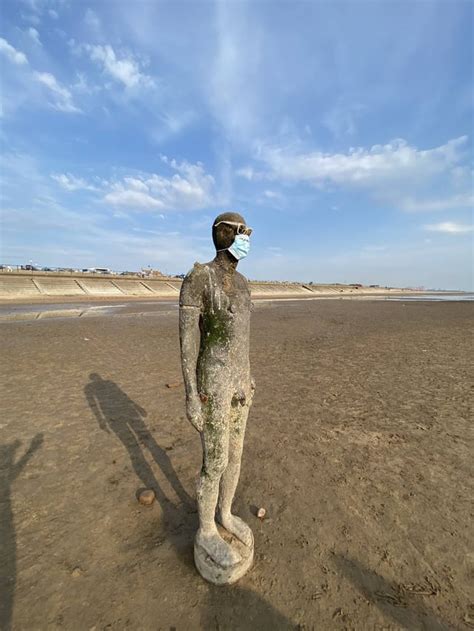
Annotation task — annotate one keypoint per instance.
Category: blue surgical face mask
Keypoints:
(240, 247)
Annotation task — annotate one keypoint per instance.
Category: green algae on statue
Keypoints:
(214, 327)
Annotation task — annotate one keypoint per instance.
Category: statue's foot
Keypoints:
(237, 527)
(219, 551)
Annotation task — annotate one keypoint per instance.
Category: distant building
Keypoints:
(100, 270)
(149, 272)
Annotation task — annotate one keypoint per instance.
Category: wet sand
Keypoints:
(358, 446)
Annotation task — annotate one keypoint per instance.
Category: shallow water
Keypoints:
(431, 298)
(28, 312)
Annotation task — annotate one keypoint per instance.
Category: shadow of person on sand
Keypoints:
(9, 471)
(235, 607)
(116, 413)
(389, 598)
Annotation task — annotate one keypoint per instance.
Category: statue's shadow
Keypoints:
(117, 414)
(10, 468)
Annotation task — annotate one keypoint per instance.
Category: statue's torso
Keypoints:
(224, 301)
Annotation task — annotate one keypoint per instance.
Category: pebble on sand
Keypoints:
(146, 497)
(261, 513)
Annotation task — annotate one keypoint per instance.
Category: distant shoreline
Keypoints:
(134, 306)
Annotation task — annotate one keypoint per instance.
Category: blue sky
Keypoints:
(342, 131)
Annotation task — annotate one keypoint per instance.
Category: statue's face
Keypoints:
(226, 227)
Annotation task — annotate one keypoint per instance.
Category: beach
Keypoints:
(359, 446)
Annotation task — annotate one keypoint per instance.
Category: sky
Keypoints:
(342, 131)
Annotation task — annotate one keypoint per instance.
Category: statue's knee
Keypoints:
(216, 467)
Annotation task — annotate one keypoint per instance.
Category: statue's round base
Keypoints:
(215, 573)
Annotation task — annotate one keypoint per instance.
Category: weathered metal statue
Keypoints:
(214, 325)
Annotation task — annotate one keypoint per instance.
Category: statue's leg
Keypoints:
(215, 444)
(230, 477)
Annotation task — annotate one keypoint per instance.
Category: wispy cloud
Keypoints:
(272, 194)
(124, 68)
(92, 21)
(42, 7)
(34, 34)
(61, 97)
(449, 227)
(12, 54)
(235, 68)
(71, 183)
(248, 173)
(454, 202)
(341, 119)
(170, 123)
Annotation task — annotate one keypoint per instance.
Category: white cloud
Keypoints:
(447, 203)
(189, 188)
(395, 174)
(246, 172)
(62, 98)
(126, 69)
(272, 194)
(33, 33)
(53, 14)
(72, 183)
(14, 55)
(136, 184)
(132, 199)
(449, 227)
(373, 167)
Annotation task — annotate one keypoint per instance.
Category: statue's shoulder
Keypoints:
(194, 284)
(241, 279)
(198, 272)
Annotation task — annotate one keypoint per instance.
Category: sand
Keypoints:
(358, 447)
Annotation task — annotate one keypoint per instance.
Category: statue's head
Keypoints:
(226, 227)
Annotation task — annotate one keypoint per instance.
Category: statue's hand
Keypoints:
(194, 412)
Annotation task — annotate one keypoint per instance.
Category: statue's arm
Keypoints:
(190, 339)
(35, 444)
(189, 335)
